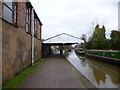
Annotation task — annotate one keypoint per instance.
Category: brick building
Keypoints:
(19, 21)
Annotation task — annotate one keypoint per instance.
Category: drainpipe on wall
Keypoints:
(32, 37)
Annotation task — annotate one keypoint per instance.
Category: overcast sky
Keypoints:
(75, 17)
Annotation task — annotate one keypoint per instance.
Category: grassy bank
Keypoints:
(18, 80)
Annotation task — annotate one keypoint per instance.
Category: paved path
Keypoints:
(54, 72)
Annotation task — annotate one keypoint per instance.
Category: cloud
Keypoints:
(75, 16)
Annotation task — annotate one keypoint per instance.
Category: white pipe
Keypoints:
(32, 37)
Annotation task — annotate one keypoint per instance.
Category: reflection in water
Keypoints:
(101, 74)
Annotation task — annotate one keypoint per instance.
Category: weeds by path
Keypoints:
(18, 80)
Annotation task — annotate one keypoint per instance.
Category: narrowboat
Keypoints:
(111, 55)
(80, 51)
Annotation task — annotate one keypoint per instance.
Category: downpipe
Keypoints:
(32, 37)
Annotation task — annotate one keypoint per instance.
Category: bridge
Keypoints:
(59, 40)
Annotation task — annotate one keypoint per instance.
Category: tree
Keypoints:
(98, 39)
(115, 40)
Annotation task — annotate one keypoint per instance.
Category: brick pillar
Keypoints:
(21, 15)
(40, 32)
(37, 29)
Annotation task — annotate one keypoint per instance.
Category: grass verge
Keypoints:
(19, 79)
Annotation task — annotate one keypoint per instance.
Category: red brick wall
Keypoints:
(37, 29)
(40, 32)
(21, 14)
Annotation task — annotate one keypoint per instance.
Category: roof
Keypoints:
(63, 39)
(35, 12)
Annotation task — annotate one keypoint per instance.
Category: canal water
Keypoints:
(100, 74)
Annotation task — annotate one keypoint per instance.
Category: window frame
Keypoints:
(13, 11)
(35, 26)
(28, 17)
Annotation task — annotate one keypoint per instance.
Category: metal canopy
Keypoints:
(55, 44)
(62, 39)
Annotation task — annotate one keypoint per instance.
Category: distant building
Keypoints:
(119, 15)
(19, 19)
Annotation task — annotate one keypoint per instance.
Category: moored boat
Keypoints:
(111, 55)
(80, 51)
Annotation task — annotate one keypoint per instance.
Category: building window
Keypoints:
(35, 29)
(40, 31)
(28, 18)
(10, 11)
(34, 20)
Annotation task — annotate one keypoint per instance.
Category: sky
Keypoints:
(76, 17)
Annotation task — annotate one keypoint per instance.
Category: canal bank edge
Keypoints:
(82, 78)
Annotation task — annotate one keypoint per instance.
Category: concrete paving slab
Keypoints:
(54, 72)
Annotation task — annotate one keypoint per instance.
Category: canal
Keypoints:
(100, 74)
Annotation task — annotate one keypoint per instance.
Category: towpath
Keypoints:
(54, 72)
